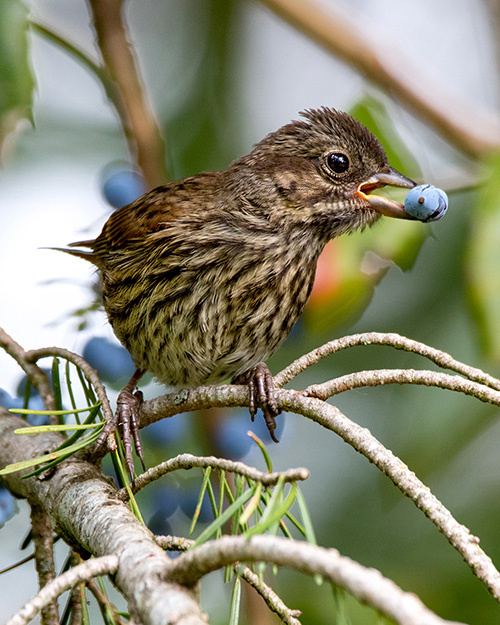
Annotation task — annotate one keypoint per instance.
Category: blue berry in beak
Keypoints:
(426, 203)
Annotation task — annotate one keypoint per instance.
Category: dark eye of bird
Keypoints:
(337, 162)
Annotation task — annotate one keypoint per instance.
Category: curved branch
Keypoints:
(379, 377)
(367, 585)
(36, 376)
(188, 461)
(440, 358)
(361, 440)
(85, 511)
(387, 67)
(49, 593)
(396, 470)
(89, 372)
(274, 603)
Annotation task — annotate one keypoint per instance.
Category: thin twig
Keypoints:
(90, 373)
(137, 118)
(367, 585)
(104, 603)
(188, 461)
(387, 67)
(36, 376)
(74, 605)
(44, 559)
(81, 573)
(174, 543)
(440, 358)
(379, 377)
(274, 603)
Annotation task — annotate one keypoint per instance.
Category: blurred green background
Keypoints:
(219, 75)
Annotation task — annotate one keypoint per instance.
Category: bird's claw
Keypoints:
(126, 419)
(262, 395)
(127, 409)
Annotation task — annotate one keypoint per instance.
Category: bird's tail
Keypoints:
(86, 255)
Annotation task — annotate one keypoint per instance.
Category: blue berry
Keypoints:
(112, 361)
(8, 506)
(10, 402)
(426, 203)
(122, 186)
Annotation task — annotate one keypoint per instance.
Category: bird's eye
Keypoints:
(337, 162)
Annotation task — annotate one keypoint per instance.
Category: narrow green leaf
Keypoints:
(52, 458)
(252, 505)
(224, 517)
(40, 429)
(206, 478)
(263, 449)
(53, 412)
(56, 386)
(306, 519)
(274, 512)
(69, 384)
(234, 612)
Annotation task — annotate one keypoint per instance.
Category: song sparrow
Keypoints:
(203, 279)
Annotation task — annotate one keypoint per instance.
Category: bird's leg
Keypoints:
(262, 395)
(125, 417)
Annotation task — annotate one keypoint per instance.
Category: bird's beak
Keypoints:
(384, 205)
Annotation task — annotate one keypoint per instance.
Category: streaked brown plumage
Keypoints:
(204, 278)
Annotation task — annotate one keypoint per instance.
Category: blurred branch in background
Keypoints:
(387, 67)
(139, 124)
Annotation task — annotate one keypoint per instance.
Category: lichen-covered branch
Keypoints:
(85, 510)
(361, 439)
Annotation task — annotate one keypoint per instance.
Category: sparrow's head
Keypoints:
(327, 167)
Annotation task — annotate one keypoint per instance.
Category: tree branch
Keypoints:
(188, 461)
(44, 559)
(379, 377)
(388, 68)
(36, 376)
(273, 602)
(440, 358)
(90, 373)
(361, 440)
(367, 585)
(365, 443)
(81, 573)
(85, 510)
(136, 116)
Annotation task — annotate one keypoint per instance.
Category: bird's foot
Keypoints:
(262, 395)
(126, 419)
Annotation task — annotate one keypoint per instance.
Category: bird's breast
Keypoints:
(212, 314)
